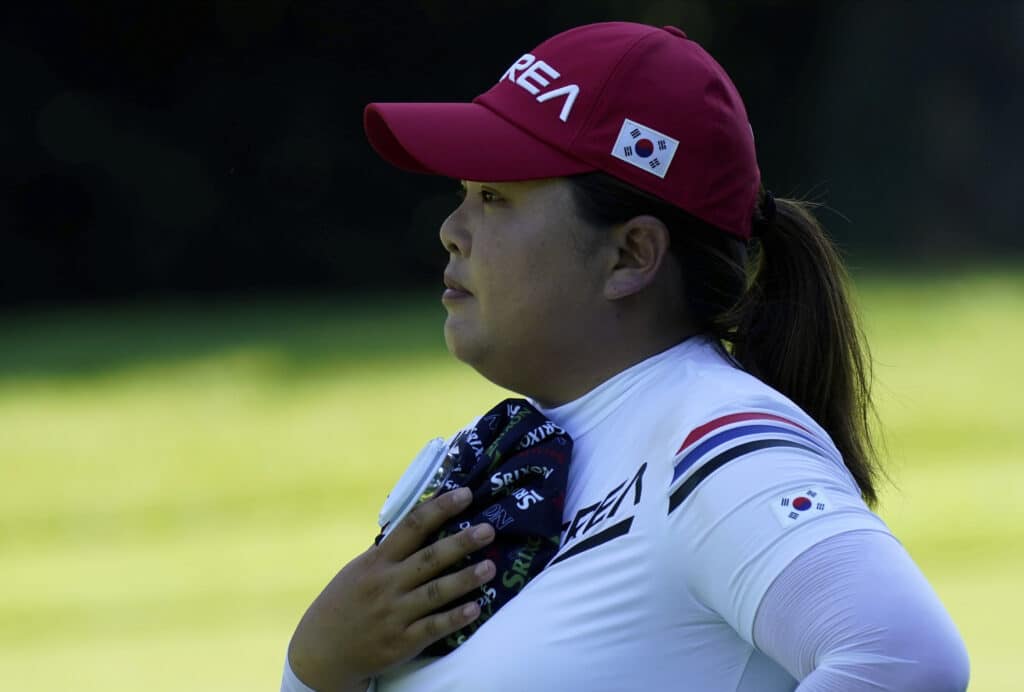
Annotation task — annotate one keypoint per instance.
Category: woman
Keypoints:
(717, 532)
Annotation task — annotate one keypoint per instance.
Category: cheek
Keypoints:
(533, 276)
(551, 290)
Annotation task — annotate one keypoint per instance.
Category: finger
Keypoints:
(437, 593)
(434, 558)
(422, 521)
(428, 630)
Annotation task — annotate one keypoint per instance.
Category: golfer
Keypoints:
(616, 260)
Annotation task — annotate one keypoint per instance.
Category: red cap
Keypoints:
(645, 105)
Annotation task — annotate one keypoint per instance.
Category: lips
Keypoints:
(451, 283)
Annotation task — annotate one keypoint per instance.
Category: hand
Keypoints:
(380, 609)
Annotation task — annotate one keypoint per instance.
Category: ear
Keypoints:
(640, 247)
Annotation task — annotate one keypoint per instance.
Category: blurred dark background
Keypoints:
(209, 147)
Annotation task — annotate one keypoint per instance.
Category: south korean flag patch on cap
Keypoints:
(800, 506)
(645, 148)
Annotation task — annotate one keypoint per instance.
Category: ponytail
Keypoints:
(795, 328)
(780, 303)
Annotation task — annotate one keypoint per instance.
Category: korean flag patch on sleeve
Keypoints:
(800, 505)
(645, 148)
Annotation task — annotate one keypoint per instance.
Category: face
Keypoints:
(522, 286)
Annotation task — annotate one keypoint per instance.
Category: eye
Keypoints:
(486, 196)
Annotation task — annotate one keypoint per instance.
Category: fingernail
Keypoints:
(483, 569)
(469, 610)
(483, 532)
(461, 495)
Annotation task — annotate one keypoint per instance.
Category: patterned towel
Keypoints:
(516, 462)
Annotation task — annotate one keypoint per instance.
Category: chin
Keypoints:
(470, 348)
(460, 343)
(481, 359)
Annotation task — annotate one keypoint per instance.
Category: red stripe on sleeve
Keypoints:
(703, 430)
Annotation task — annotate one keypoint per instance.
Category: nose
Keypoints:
(454, 236)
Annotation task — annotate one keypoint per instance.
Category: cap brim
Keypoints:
(466, 141)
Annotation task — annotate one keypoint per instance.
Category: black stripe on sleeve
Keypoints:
(614, 531)
(715, 463)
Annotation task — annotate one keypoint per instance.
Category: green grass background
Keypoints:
(180, 481)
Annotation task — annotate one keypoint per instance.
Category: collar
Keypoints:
(581, 415)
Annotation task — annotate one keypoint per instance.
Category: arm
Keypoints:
(837, 601)
(855, 613)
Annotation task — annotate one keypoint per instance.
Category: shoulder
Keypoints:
(755, 483)
(709, 411)
(757, 459)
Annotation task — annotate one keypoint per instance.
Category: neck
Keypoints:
(597, 362)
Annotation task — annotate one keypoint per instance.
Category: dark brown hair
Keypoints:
(779, 303)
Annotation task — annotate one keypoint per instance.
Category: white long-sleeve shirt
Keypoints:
(713, 541)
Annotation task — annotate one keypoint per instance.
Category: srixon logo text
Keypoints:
(593, 515)
(515, 577)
